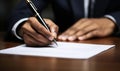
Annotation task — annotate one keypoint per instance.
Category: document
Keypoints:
(64, 50)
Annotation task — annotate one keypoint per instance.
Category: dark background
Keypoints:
(6, 6)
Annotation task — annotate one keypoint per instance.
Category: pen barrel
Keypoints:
(37, 15)
(41, 21)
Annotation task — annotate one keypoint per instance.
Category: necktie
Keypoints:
(90, 8)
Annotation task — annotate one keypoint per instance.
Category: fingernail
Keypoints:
(59, 37)
(71, 38)
(51, 38)
(63, 37)
(80, 38)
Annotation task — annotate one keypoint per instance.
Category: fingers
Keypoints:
(53, 27)
(83, 32)
(30, 41)
(80, 28)
(32, 38)
(88, 35)
(40, 28)
(35, 34)
(88, 28)
(73, 29)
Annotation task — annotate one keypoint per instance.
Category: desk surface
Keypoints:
(105, 61)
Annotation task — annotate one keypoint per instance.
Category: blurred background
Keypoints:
(6, 7)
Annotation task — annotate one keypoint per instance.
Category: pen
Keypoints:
(40, 19)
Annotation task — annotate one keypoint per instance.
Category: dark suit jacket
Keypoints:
(67, 12)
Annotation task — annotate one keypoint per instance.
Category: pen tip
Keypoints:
(55, 42)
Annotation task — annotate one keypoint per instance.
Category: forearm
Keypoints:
(20, 14)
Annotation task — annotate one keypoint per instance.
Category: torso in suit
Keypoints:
(67, 12)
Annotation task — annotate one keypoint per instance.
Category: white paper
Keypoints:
(64, 50)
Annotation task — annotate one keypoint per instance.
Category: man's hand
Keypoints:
(35, 34)
(88, 28)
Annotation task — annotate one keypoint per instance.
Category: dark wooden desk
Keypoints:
(105, 61)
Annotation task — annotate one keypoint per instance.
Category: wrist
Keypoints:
(112, 24)
(19, 30)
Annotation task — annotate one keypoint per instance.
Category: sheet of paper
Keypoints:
(64, 50)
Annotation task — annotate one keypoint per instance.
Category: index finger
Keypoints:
(40, 28)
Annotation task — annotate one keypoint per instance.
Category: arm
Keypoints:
(96, 27)
(116, 16)
(87, 28)
(22, 11)
(32, 32)
(35, 34)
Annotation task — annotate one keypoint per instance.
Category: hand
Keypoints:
(35, 34)
(88, 28)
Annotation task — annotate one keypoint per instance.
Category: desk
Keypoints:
(105, 61)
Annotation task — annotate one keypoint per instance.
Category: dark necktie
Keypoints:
(90, 8)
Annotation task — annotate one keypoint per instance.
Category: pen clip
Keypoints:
(32, 5)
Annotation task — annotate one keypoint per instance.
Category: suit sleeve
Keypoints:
(113, 9)
(116, 16)
(21, 11)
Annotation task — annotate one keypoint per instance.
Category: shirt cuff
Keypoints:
(14, 28)
(117, 29)
(110, 17)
